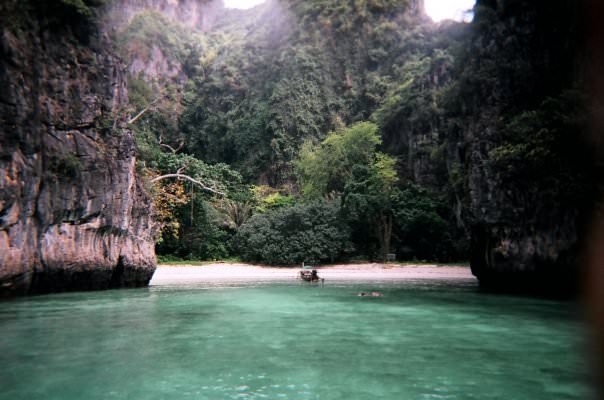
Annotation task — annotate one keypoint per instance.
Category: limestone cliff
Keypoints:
(151, 34)
(527, 170)
(197, 14)
(73, 212)
(499, 127)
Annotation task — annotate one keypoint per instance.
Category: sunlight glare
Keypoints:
(242, 4)
(440, 10)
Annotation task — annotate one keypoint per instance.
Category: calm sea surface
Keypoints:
(421, 340)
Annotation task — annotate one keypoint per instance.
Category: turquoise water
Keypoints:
(421, 340)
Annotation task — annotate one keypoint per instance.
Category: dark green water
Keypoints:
(426, 340)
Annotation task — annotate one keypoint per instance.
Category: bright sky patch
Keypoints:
(456, 10)
(242, 4)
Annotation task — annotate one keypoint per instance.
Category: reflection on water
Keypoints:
(421, 340)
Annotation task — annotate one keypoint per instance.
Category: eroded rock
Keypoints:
(73, 212)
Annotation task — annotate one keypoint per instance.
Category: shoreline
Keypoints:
(170, 275)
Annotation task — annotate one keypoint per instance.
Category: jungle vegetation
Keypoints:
(324, 129)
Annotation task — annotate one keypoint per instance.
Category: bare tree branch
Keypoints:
(140, 114)
(182, 169)
(187, 177)
(172, 149)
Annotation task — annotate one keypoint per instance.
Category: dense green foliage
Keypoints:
(348, 164)
(362, 112)
(265, 87)
(151, 29)
(291, 71)
(378, 207)
(326, 168)
(311, 232)
(421, 228)
(539, 146)
(80, 17)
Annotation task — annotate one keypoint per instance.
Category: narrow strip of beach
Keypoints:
(167, 275)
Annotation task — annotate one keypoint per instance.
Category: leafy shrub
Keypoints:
(166, 259)
(541, 143)
(151, 29)
(422, 230)
(200, 234)
(307, 232)
(326, 167)
(267, 198)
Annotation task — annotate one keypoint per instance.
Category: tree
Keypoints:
(369, 197)
(327, 167)
(311, 232)
(348, 164)
(420, 226)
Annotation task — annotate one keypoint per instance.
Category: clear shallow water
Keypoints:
(422, 340)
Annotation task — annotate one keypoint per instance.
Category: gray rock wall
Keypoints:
(526, 230)
(73, 213)
(196, 14)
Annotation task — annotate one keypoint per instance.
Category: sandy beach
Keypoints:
(167, 275)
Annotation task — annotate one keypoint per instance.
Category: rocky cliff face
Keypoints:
(528, 173)
(197, 14)
(73, 213)
(151, 34)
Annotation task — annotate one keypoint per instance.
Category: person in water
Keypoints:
(372, 294)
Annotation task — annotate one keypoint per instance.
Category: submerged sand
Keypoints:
(232, 272)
